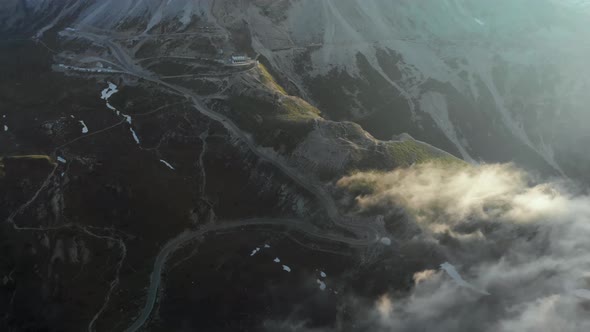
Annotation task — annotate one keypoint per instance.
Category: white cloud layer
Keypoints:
(525, 243)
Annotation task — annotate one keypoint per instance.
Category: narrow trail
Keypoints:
(90, 231)
(24, 206)
(114, 283)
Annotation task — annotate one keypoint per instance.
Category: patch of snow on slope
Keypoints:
(167, 164)
(108, 92)
(109, 106)
(134, 135)
(84, 127)
(254, 252)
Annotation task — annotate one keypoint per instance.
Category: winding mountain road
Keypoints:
(366, 231)
(366, 234)
(186, 237)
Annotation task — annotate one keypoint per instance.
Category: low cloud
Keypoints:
(527, 244)
(423, 276)
(445, 195)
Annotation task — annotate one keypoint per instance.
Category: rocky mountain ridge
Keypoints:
(455, 74)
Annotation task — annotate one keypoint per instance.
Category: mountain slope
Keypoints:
(129, 139)
(458, 74)
(145, 173)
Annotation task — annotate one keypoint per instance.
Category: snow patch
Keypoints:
(5, 128)
(61, 160)
(84, 127)
(109, 106)
(286, 268)
(322, 284)
(254, 252)
(108, 92)
(385, 241)
(322, 274)
(167, 164)
(277, 260)
(266, 246)
(134, 136)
